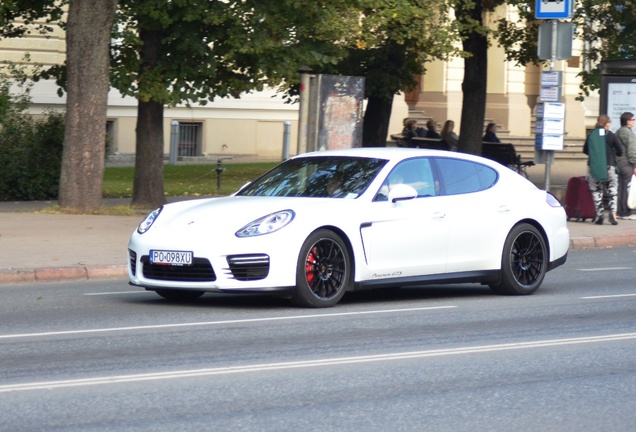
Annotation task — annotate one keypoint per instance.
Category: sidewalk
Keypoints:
(49, 247)
(52, 247)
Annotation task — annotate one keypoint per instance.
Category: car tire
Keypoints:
(524, 262)
(179, 295)
(323, 272)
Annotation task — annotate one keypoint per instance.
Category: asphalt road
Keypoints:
(103, 356)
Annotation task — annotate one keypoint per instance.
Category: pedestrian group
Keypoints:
(447, 135)
(611, 165)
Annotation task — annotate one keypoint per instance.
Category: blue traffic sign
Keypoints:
(554, 9)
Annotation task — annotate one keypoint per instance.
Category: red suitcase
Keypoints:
(579, 203)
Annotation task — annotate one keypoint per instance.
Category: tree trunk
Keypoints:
(88, 34)
(148, 189)
(376, 122)
(474, 86)
(148, 183)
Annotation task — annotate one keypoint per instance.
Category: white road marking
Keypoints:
(116, 379)
(605, 269)
(119, 292)
(609, 296)
(213, 323)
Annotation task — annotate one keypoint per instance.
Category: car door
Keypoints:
(407, 237)
(476, 211)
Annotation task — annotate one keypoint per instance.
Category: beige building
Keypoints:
(254, 124)
(513, 92)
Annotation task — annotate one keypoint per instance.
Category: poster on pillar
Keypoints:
(341, 103)
(621, 97)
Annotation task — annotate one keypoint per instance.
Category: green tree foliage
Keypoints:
(475, 42)
(167, 53)
(21, 17)
(176, 52)
(88, 33)
(388, 44)
(213, 49)
(391, 42)
(30, 149)
(519, 38)
(607, 30)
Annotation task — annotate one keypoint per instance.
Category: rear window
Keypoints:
(461, 176)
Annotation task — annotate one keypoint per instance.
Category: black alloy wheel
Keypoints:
(323, 272)
(524, 262)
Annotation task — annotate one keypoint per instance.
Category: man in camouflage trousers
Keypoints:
(602, 147)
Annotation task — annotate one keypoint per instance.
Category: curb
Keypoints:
(52, 274)
(601, 242)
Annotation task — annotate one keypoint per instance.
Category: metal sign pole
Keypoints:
(174, 142)
(553, 54)
(553, 11)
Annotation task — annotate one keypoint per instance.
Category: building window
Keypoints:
(110, 137)
(189, 139)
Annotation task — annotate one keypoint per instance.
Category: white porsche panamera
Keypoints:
(324, 223)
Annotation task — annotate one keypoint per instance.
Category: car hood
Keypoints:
(231, 213)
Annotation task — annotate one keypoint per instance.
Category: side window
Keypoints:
(459, 176)
(416, 173)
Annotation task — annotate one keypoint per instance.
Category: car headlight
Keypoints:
(552, 200)
(267, 224)
(150, 219)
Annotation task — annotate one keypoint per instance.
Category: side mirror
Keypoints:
(402, 192)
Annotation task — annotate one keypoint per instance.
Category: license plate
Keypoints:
(172, 258)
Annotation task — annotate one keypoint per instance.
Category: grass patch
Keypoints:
(178, 181)
(114, 210)
(187, 180)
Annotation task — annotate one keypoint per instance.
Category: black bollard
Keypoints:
(219, 169)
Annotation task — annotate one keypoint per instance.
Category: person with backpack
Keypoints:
(602, 147)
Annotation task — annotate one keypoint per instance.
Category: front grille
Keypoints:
(200, 271)
(249, 267)
(132, 256)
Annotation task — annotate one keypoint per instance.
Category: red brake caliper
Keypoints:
(310, 265)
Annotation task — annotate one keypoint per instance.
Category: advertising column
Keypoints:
(331, 112)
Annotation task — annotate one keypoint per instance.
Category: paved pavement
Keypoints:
(51, 247)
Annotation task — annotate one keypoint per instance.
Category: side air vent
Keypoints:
(249, 267)
(132, 256)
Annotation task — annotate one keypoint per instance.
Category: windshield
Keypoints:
(335, 177)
